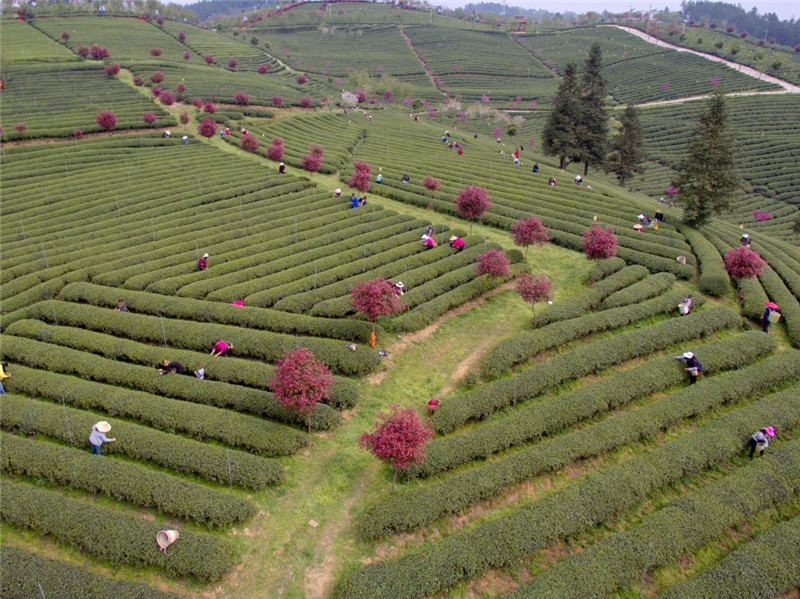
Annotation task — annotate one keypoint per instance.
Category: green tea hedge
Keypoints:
(24, 572)
(605, 268)
(113, 535)
(422, 505)
(200, 421)
(765, 567)
(203, 311)
(590, 298)
(522, 347)
(713, 280)
(648, 287)
(175, 452)
(123, 480)
(457, 410)
(503, 540)
(684, 526)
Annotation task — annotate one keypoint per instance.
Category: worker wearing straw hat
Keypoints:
(457, 243)
(98, 436)
(202, 263)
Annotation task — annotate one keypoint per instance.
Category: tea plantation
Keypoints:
(570, 454)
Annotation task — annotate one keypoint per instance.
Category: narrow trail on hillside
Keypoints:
(788, 88)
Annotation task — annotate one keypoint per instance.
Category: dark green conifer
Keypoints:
(706, 177)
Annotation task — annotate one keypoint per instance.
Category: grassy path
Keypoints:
(305, 535)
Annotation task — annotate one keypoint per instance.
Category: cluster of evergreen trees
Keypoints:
(577, 128)
(577, 132)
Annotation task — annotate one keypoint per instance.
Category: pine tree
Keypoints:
(627, 152)
(561, 131)
(706, 177)
(593, 126)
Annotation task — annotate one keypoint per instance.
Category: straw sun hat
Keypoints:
(453, 238)
(103, 426)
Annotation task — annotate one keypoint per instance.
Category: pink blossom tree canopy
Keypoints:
(155, 51)
(529, 231)
(743, 263)
(157, 77)
(249, 143)
(241, 98)
(111, 69)
(207, 128)
(209, 107)
(277, 100)
(301, 381)
(275, 149)
(534, 289)
(182, 36)
(77, 133)
(263, 68)
(184, 117)
(376, 297)
(187, 55)
(472, 202)
(106, 119)
(149, 117)
(232, 63)
(311, 162)
(362, 173)
(398, 438)
(430, 182)
(167, 98)
(209, 58)
(82, 51)
(304, 102)
(180, 87)
(493, 263)
(98, 53)
(599, 243)
(301, 79)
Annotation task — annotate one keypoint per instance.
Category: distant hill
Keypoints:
(206, 8)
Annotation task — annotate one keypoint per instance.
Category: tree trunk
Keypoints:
(585, 168)
(394, 478)
(562, 162)
(533, 309)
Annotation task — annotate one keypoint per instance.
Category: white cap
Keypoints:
(688, 355)
(168, 132)
(205, 255)
(746, 235)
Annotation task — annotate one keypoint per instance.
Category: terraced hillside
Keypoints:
(570, 453)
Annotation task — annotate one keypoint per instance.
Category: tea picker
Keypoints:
(760, 440)
(693, 366)
(98, 436)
